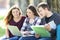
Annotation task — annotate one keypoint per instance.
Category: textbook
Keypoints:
(14, 30)
(39, 29)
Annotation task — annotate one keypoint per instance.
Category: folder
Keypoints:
(39, 29)
(14, 30)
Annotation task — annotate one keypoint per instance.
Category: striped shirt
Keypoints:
(27, 26)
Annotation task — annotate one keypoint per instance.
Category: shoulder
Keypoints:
(57, 18)
(11, 21)
(57, 15)
(23, 16)
(26, 19)
(37, 18)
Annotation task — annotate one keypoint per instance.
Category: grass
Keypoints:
(1, 17)
(2, 31)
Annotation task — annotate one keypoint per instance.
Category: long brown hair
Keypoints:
(33, 9)
(9, 15)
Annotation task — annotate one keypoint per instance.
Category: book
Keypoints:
(39, 29)
(14, 30)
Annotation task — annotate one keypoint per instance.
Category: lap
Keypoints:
(45, 38)
(12, 38)
(28, 38)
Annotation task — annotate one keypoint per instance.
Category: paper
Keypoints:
(41, 31)
(14, 30)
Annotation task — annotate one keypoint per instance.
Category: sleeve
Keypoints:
(24, 25)
(57, 20)
(38, 21)
(52, 25)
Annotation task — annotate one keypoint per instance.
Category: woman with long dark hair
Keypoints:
(32, 18)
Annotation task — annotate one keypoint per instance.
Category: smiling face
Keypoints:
(30, 14)
(15, 13)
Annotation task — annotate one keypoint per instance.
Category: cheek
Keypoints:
(43, 14)
(17, 12)
(12, 13)
(39, 14)
(27, 14)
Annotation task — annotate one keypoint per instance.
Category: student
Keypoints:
(31, 19)
(14, 18)
(52, 19)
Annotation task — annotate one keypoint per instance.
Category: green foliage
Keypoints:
(1, 17)
(2, 31)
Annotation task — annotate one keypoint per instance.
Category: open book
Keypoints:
(14, 30)
(39, 29)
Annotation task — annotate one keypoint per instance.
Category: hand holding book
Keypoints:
(41, 31)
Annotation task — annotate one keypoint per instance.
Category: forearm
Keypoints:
(7, 33)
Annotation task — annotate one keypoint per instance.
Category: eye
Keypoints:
(13, 12)
(30, 12)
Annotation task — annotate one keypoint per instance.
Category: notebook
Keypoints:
(14, 30)
(39, 29)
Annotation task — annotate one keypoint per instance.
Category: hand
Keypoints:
(37, 35)
(26, 32)
(47, 27)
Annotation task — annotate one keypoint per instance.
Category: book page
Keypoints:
(14, 30)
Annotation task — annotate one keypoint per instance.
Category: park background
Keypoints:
(6, 4)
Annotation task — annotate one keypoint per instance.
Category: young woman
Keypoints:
(31, 19)
(14, 18)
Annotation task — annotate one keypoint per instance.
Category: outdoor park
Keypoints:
(6, 4)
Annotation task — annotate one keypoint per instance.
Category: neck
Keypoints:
(49, 14)
(17, 17)
(32, 17)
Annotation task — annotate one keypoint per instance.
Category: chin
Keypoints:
(42, 17)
